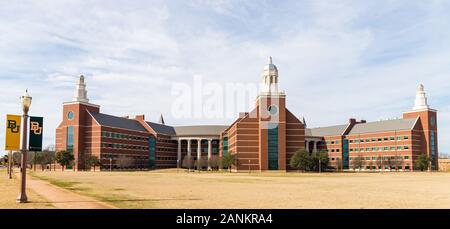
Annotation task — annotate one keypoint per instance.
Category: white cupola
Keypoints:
(421, 99)
(269, 81)
(81, 92)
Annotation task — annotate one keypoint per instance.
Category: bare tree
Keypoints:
(124, 162)
(357, 162)
(214, 162)
(188, 162)
(370, 164)
(339, 164)
(379, 162)
(202, 163)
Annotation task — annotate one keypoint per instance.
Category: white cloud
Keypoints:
(336, 59)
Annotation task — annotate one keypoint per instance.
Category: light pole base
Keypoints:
(22, 199)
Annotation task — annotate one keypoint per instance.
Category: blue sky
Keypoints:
(337, 59)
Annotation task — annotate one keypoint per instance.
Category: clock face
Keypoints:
(70, 115)
(273, 109)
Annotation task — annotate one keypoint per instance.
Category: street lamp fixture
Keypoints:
(25, 100)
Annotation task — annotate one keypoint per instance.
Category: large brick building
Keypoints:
(262, 139)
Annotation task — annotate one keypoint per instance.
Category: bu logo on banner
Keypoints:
(36, 130)
(13, 123)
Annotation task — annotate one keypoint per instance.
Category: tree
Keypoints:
(45, 158)
(370, 164)
(339, 164)
(202, 163)
(423, 162)
(319, 160)
(64, 158)
(188, 162)
(93, 161)
(124, 162)
(228, 160)
(380, 162)
(357, 162)
(214, 162)
(300, 160)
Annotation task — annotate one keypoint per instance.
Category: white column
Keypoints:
(209, 153)
(199, 152)
(189, 150)
(315, 146)
(307, 146)
(179, 153)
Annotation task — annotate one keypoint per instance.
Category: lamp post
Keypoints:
(25, 100)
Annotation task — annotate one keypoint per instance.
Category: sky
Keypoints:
(336, 59)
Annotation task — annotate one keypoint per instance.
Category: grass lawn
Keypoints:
(9, 190)
(172, 189)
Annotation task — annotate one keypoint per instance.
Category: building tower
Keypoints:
(427, 127)
(75, 121)
(271, 107)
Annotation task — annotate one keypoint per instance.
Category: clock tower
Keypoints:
(75, 121)
(271, 111)
(427, 126)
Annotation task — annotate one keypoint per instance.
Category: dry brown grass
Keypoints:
(9, 190)
(169, 189)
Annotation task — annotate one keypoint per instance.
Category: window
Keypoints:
(356, 140)
(351, 141)
(374, 139)
(406, 157)
(361, 149)
(380, 139)
(272, 148)
(351, 149)
(367, 149)
(332, 150)
(367, 158)
(332, 142)
(406, 147)
(385, 148)
(386, 138)
(399, 138)
(337, 141)
(405, 137)
(392, 138)
(70, 138)
(399, 148)
(374, 148)
(351, 158)
(367, 139)
(392, 148)
(374, 158)
(337, 150)
(380, 148)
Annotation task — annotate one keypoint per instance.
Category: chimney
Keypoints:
(140, 117)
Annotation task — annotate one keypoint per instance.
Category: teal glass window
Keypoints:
(151, 152)
(273, 146)
(225, 145)
(70, 138)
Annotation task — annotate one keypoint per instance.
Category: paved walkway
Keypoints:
(62, 198)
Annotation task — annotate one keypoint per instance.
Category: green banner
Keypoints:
(36, 130)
